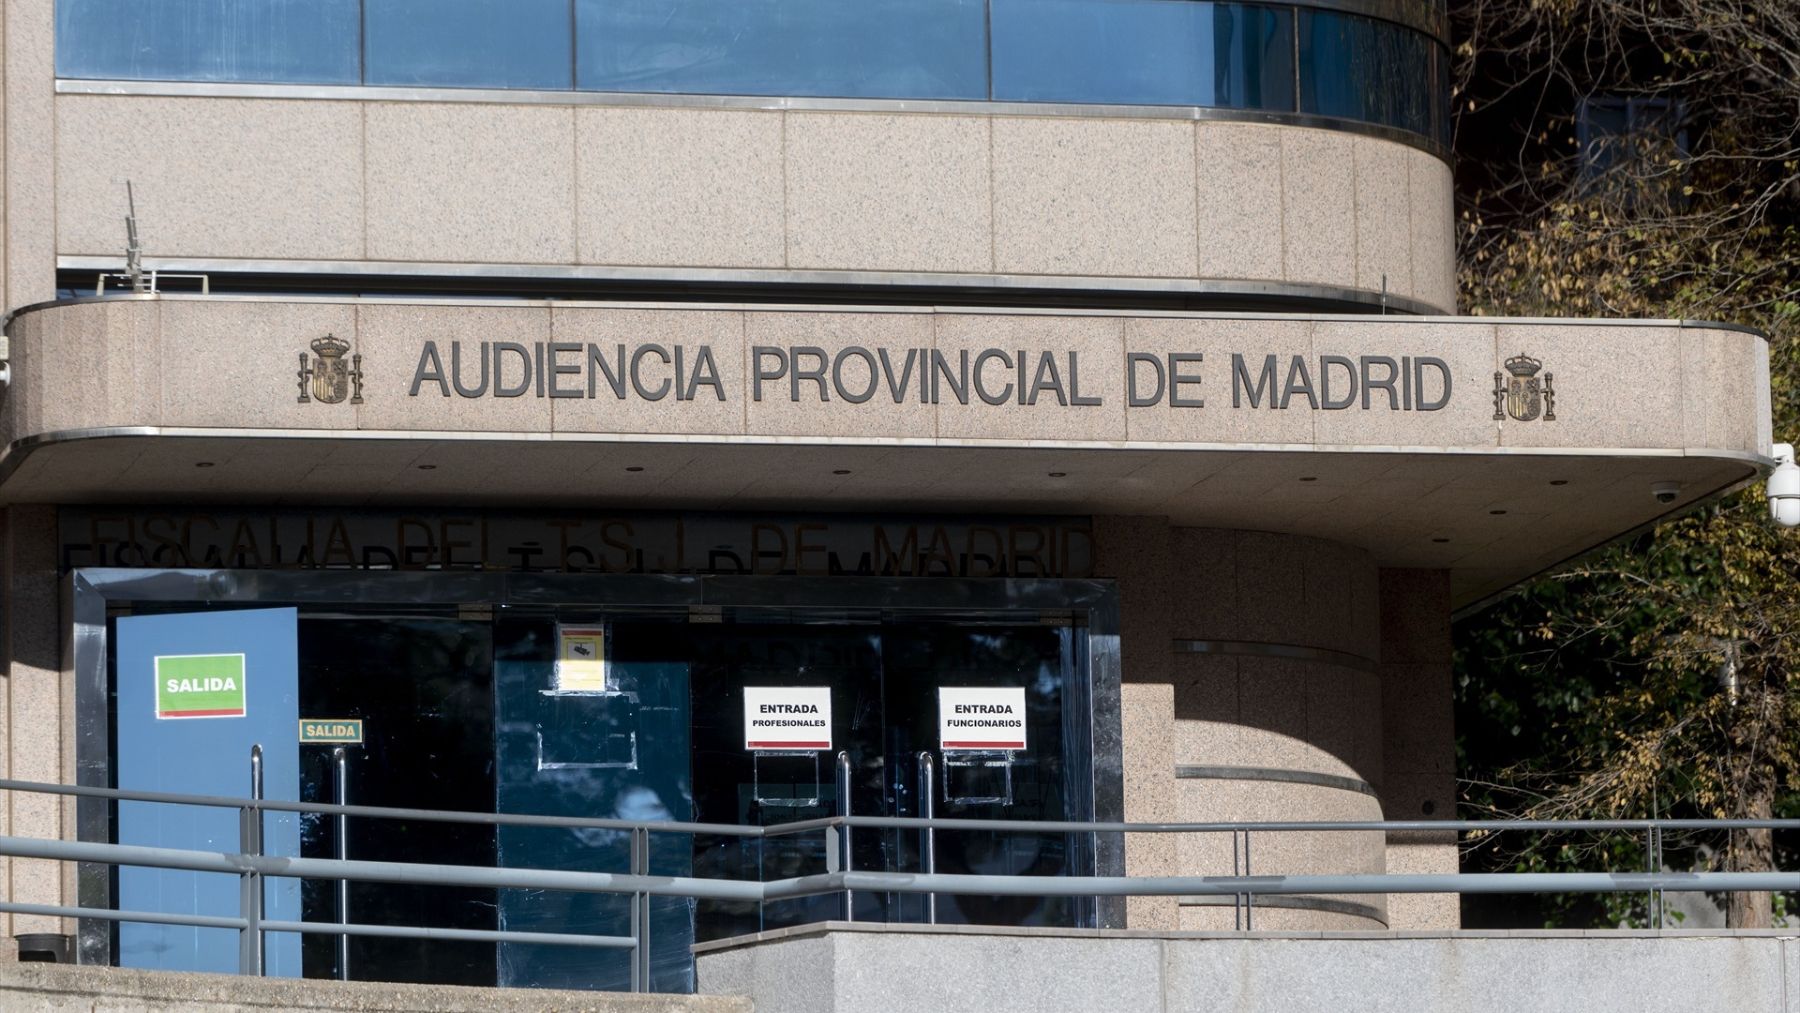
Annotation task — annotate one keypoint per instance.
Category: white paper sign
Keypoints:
(981, 718)
(787, 717)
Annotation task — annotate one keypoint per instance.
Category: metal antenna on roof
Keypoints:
(141, 282)
(134, 250)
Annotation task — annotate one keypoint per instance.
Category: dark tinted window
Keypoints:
(1362, 69)
(865, 48)
(1152, 52)
(299, 41)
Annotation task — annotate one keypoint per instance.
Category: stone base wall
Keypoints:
(850, 969)
(60, 988)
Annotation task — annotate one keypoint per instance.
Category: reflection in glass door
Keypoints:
(884, 678)
(424, 688)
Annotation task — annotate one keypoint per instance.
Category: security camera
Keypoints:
(1665, 492)
(1784, 486)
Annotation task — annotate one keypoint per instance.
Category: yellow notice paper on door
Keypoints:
(580, 659)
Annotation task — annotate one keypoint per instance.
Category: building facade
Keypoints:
(643, 408)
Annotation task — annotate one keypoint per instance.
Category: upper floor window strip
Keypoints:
(1271, 57)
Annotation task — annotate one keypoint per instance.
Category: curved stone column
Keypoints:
(1275, 645)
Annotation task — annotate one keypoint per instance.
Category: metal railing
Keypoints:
(253, 867)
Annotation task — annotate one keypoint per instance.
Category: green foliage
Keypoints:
(1660, 675)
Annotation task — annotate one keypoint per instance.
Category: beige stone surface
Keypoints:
(1415, 625)
(779, 414)
(251, 352)
(107, 368)
(1416, 700)
(716, 188)
(1318, 182)
(1419, 736)
(60, 988)
(1205, 605)
(1094, 197)
(679, 187)
(879, 192)
(1096, 343)
(390, 339)
(1718, 377)
(1266, 917)
(1237, 184)
(28, 189)
(1383, 216)
(35, 698)
(1217, 342)
(473, 183)
(212, 177)
(1423, 854)
(1463, 346)
(1433, 230)
(706, 411)
(1280, 853)
(1208, 714)
(1616, 386)
(1146, 721)
(1136, 553)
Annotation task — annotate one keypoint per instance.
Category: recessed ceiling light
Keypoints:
(203, 464)
(427, 467)
(635, 467)
(840, 471)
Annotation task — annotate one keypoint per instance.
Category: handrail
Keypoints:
(252, 867)
(836, 882)
(376, 812)
(895, 822)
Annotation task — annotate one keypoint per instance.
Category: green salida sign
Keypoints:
(200, 686)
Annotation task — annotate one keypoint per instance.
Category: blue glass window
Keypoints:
(469, 43)
(1362, 69)
(296, 41)
(1150, 52)
(1267, 56)
(832, 48)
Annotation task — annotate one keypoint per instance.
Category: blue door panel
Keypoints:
(206, 756)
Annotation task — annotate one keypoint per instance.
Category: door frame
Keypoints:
(92, 594)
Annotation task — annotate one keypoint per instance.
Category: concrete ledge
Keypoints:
(53, 987)
(836, 967)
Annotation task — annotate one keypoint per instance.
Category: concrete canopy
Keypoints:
(1378, 432)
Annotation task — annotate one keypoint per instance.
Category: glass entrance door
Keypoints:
(424, 688)
(466, 705)
(883, 678)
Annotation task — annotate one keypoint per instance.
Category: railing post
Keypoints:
(1653, 900)
(340, 760)
(250, 883)
(928, 841)
(1237, 899)
(1249, 898)
(640, 911)
(1662, 899)
(843, 778)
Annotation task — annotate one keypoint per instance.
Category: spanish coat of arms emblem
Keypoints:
(328, 378)
(1522, 394)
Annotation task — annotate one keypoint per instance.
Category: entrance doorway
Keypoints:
(462, 709)
(883, 680)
